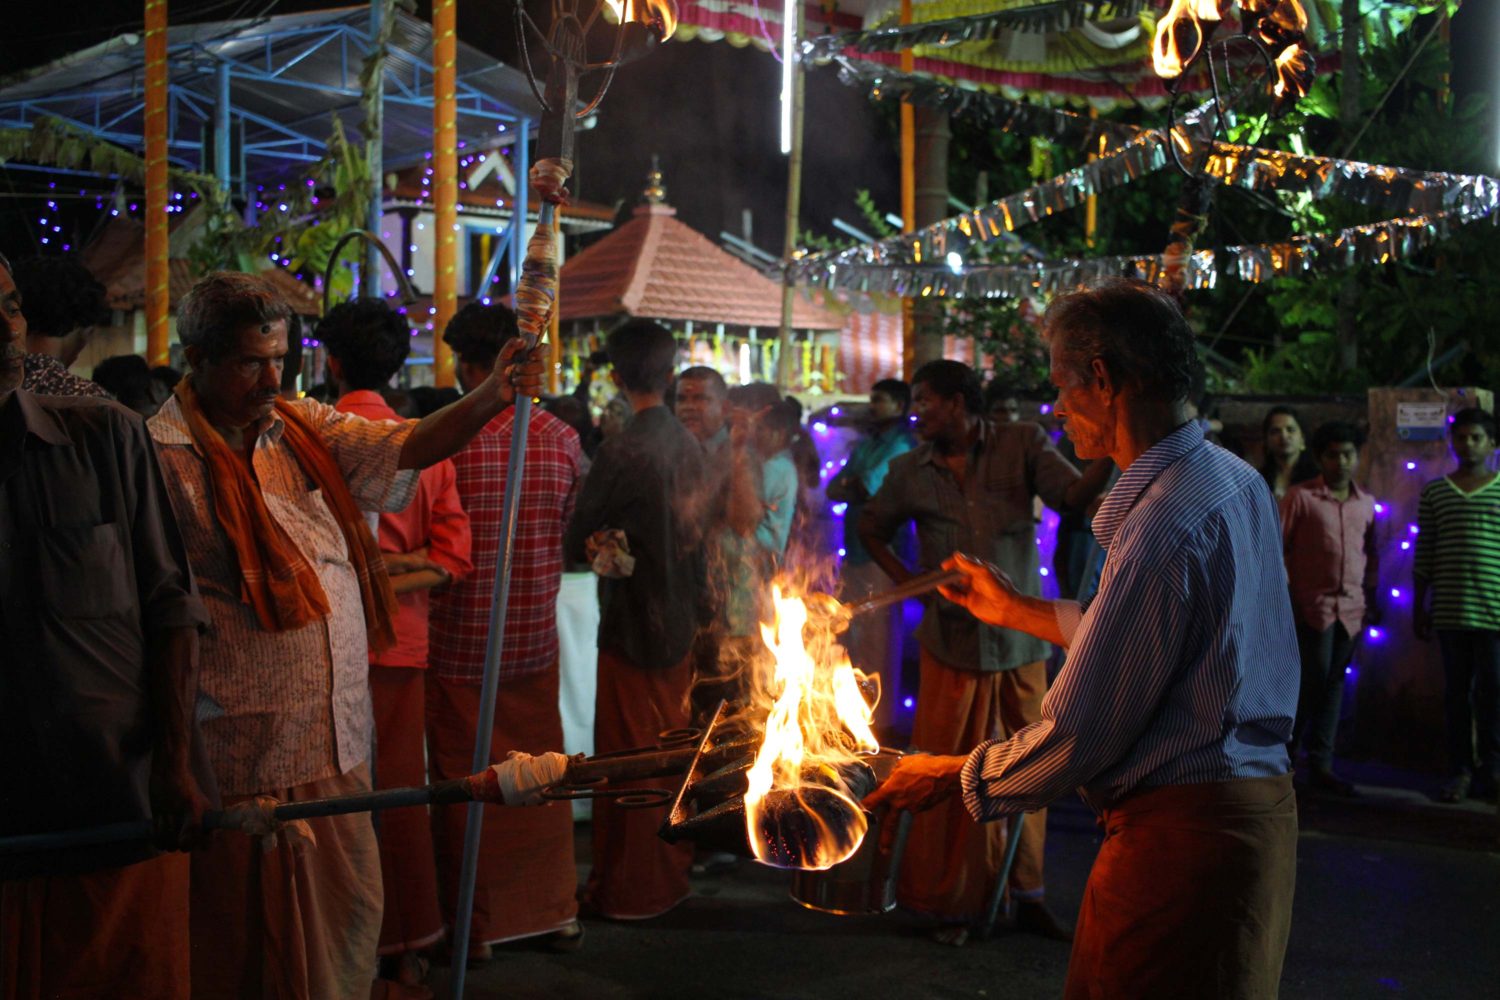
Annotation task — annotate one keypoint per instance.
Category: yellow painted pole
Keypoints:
(908, 200)
(1091, 205)
(158, 300)
(445, 186)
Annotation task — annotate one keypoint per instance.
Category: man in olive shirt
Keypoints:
(970, 486)
(99, 623)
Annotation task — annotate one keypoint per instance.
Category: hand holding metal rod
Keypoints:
(826, 611)
(915, 587)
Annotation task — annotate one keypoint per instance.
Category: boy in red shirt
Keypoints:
(1328, 535)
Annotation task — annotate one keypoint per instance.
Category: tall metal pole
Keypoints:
(535, 304)
(908, 201)
(798, 80)
(223, 170)
(158, 302)
(445, 187)
(374, 144)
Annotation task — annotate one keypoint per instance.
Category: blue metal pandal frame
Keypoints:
(203, 74)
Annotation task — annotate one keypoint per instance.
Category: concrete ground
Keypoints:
(1396, 896)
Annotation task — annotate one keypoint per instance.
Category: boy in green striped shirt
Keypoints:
(1457, 573)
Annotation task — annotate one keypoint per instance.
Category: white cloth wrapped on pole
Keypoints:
(524, 777)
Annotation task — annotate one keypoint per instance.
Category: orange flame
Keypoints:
(1283, 24)
(1183, 26)
(659, 14)
(1294, 71)
(819, 720)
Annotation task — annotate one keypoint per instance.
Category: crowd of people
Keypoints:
(248, 595)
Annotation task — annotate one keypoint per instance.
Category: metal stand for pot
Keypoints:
(997, 896)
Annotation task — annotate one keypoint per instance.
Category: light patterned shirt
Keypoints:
(280, 709)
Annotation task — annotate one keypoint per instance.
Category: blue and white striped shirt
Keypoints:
(1183, 668)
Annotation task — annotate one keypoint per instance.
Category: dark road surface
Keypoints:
(1395, 897)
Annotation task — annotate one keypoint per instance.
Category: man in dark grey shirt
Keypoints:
(647, 483)
(99, 624)
(971, 486)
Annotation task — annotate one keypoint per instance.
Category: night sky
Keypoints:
(708, 110)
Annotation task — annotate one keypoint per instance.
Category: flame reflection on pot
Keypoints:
(799, 810)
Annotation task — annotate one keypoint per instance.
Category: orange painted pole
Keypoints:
(908, 200)
(445, 183)
(158, 301)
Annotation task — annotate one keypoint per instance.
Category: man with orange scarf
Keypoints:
(271, 495)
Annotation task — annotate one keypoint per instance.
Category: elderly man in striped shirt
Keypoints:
(1172, 713)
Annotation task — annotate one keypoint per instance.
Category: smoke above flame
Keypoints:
(799, 809)
(659, 14)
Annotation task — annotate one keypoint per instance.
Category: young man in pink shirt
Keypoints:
(1328, 534)
(424, 546)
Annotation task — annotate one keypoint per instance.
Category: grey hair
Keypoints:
(1136, 329)
(212, 314)
(6, 264)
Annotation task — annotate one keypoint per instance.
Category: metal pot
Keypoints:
(866, 882)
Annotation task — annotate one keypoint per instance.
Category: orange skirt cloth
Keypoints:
(527, 879)
(412, 918)
(296, 922)
(636, 874)
(118, 932)
(951, 861)
(1190, 895)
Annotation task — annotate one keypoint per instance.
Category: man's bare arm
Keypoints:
(443, 434)
(177, 802)
(990, 596)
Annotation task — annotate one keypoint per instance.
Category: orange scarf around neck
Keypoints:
(276, 580)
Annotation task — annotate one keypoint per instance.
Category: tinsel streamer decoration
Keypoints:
(1040, 18)
(1374, 244)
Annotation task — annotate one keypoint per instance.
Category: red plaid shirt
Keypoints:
(460, 615)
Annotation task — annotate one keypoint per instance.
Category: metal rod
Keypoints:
(408, 293)
(438, 793)
(490, 689)
(915, 587)
(992, 912)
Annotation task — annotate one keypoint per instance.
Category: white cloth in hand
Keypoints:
(610, 554)
(523, 777)
(257, 818)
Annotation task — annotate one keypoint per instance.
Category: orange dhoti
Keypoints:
(636, 874)
(1191, 894)
(117, 932)
(297, 922)
(412, 919)
(527, 880)
(952, 861)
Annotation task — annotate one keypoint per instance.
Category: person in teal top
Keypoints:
(1457, 575)
(874, 641)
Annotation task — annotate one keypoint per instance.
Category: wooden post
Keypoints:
(1091, 205)
(908, 200)
(793, 214)
(445, 186)
(158, 290)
